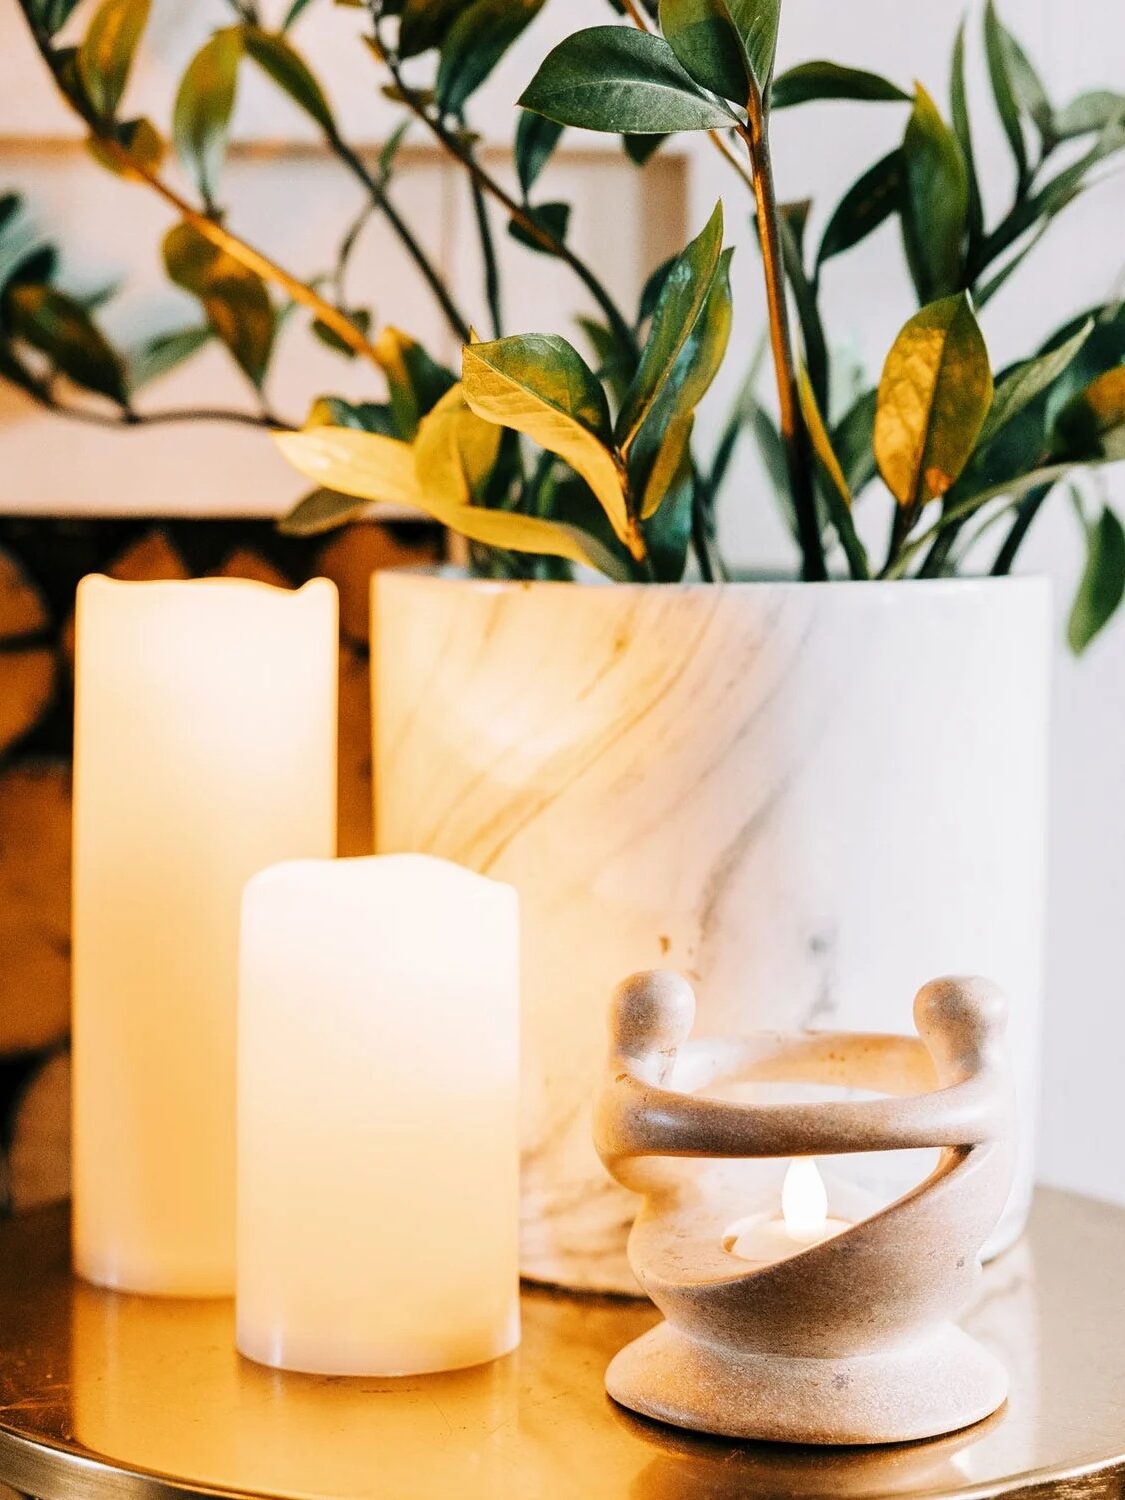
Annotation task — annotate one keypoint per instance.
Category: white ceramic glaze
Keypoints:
(806, 798)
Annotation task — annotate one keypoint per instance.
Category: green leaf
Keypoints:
(673, 453)
(808, 311)
(236, 300)
(536, 140)
(1028, 87)
(54, 14)
(204, 105)
(702, 34)
(243, 317)
(62, 329)
(425, 23)
(552, 217)
(1092, 424)
(142, 142)
(361, 416)
(1054, 195)
(854, 442)
(539, 385)
(613, 78)
(814, 81)
(416, 381)
(276, 57)
(834, 487)
(668, 487)
(358, 317)
(321, 511)
(683, 298)
(962, 128)
(1021, 386)
(1089, 114)
(163, 353)
(293, 13)
(933, 400)
(106, 52)
(640, 149)
(935, 203)
(475, 43)
(1103, 582)
(1003, 91)
(727, 46)
(866, 205)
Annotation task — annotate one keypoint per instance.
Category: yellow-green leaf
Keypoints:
(368, 466)
(365, 465)
(822, 443)
(455, 450)
(539, 385)
(105, 54)
(142, 143)
(837, 491)
(1092, 425)
(934, 397)
(204, 105)
(673, 453)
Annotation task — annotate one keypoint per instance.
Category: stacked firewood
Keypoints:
(40, 564)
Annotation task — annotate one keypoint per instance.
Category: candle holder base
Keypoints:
(942, 1385)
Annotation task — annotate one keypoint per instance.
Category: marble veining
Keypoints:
(807, 799)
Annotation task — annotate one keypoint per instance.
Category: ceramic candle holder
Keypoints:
(850, 1339)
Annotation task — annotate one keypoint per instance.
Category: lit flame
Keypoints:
(804, 1200)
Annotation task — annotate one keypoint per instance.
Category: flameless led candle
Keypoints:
(378, 1168)
(804, 1220)
(205, 742)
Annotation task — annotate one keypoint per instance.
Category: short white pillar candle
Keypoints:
(205, 750)
(378, 1173)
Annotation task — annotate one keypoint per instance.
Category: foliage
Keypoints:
(547, 458)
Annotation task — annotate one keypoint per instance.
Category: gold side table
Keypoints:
(122, 1398)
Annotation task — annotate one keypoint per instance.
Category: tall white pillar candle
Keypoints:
(205, 741)
(378, 1174)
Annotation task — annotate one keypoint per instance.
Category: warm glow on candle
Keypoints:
(804, 1200)
(205, 750)
(378, 1143)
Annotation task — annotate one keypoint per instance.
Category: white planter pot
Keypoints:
(810, 799)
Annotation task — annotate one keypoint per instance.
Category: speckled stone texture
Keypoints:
(852, 1340)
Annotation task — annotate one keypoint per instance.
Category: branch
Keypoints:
(794, 433)
(542, 237)
(377, 192)
(238, 249)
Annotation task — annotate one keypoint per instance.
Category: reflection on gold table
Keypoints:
(115, 1397)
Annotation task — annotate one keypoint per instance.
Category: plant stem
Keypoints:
(794, 433)
(379, 197)
(488, 255)
(515, 210)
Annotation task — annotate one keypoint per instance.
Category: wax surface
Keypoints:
(205, 747)
(378, 1145)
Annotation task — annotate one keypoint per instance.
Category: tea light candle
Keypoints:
(205, 749)
(377, 1118)
(804, 1221)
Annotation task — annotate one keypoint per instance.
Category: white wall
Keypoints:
(627, 227)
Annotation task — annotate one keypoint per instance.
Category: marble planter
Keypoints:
(807, 798)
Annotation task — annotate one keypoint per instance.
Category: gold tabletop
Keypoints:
(113, 1397)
